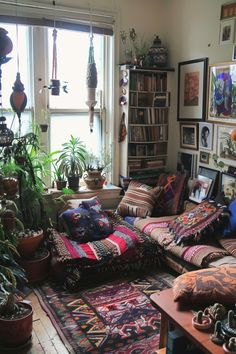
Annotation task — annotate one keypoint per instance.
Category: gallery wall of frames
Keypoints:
(206, 112)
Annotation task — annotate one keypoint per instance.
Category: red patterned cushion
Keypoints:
(206, 286)
(172, 198)
(139, 200)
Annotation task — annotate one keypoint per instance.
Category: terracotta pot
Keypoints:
(94, 179)
(28, 245)
(16, 331)
(36, 269)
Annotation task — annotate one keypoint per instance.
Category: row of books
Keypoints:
(148, 116)
(148, 133)
(146, 164)
(149, 99)
(148, 81)
(147, 150)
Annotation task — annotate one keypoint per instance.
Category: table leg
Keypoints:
(163, 331)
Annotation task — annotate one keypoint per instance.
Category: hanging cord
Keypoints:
(54, 55)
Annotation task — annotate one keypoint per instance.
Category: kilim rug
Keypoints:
(115, 317)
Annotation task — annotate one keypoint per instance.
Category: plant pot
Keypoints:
(36, 269)
(227, 351)
(29, 244)
(94, 179)
(10, 186)
(17, 331)
(73, 183)
(44, 128)
(207, 323)
(61, 184)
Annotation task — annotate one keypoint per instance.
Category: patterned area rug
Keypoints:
(116, 317)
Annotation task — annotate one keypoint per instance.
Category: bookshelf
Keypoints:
(144, 102)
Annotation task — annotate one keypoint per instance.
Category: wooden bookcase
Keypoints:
(144, 102)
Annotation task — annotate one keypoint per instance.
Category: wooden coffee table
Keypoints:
(181, 317)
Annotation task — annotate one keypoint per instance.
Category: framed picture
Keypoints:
(192, 76)
(228, 10)
(200, 189)
(189, 136)
(226, 149)
(227, 31)
(205, 135)
(187, 163)
(214, 176)
(222, 93)
(204, 157)
(228, 186)
(234, 52)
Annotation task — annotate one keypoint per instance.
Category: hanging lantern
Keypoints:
(18, 98)
(6, 134)
(91, 83)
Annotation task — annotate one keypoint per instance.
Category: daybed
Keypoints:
(186, 241)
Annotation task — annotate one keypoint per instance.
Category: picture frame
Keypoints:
(227, 31)
(204, 157)
(228, 185)
(214, 176)
(205, 135)
(189, 136)
(221, 106)
(223, 151)
(234, 53)
(228, 10)
(200, 189)
(192, 78)
(187, 163)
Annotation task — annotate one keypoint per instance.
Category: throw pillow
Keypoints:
(139, 200)
(173, 195)
(205, 219)
(206, 286)
(79, 225)
(230, 229)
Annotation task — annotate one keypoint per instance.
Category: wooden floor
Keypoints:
(44, 338)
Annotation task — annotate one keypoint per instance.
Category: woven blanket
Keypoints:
(124, 240)
(199, 255)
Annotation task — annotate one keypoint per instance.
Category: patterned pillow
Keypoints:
(173, 195)
(92, 204)
(139, 200)
(84, 225)
(206, 286)
(205, 219)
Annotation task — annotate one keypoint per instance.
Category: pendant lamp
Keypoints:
(91, 83)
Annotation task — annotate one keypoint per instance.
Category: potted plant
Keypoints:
(96, 168)
(16, 318)
(9, 181)
(58, 176)
(230, 347)
(71, 161)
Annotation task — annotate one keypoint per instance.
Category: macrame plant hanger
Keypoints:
(55, 83)
(91, 80)
(18, 98)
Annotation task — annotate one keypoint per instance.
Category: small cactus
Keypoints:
(231, 320)
(217, 337)
(199, 316)
(232, 344)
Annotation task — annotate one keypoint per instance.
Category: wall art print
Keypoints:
(222, 93)
(192, 76)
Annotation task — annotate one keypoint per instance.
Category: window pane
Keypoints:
(72, 58)
(62, 127)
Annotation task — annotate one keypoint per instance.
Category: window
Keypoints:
(67, 113)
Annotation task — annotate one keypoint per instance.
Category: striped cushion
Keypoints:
(138, 200)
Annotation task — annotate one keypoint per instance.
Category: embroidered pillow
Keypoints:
(206, 286)
(100, 218)
(230, 229)
(172, 198)
(205, 219)
(139, 200)
(79, 225)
